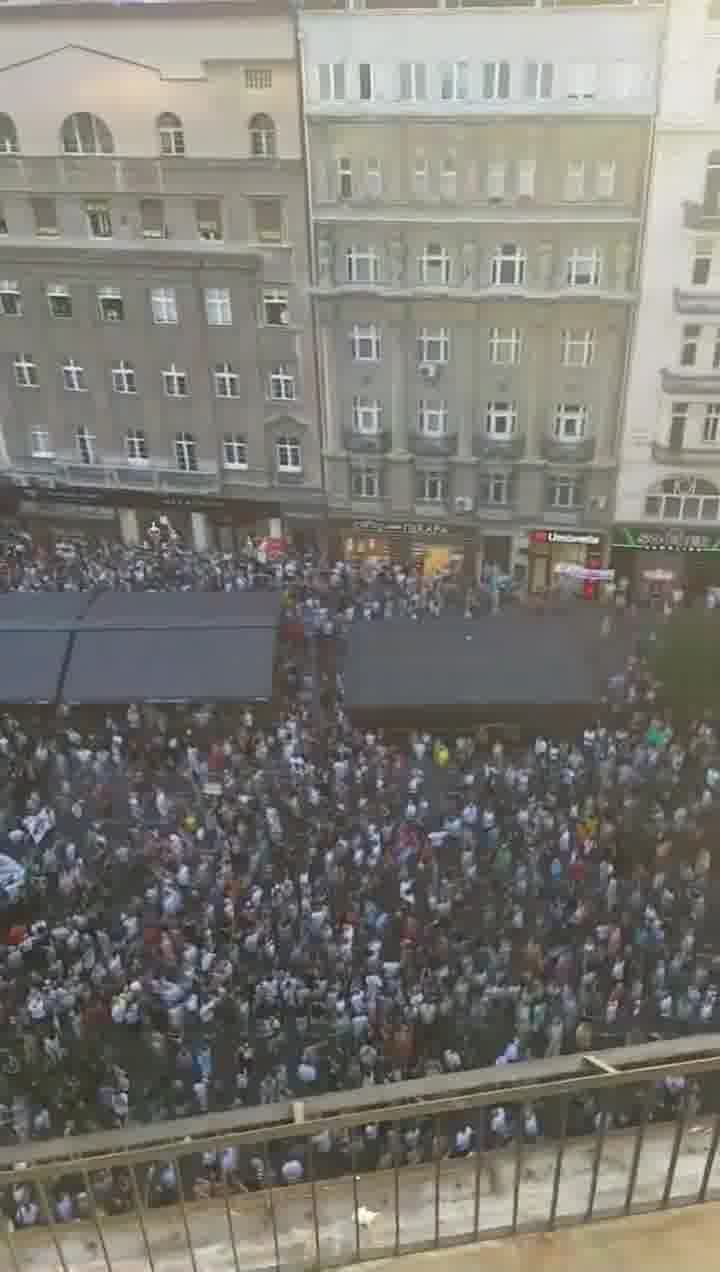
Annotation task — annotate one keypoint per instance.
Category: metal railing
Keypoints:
(654, 1114)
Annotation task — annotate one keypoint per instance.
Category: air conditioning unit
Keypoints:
(599, 502)
(429, 371)
(463, 504)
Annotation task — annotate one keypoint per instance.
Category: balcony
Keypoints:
(121, 475)
(696, 302)
(421, 444)
(503, 448)
(557, 452)
(367, 443)
(697, 457)
(690, 381)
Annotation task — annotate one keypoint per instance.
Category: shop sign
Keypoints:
(583, 537)
(416, 529)
(80, 512)
(79, 497)
(665, 540)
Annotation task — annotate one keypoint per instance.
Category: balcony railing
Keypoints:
(690, 381)
(561, 452)
(422, 444)
(121, 475)
(696, 302)
(367, 443)
(614, 1144)
(487, 447)
(686, 456)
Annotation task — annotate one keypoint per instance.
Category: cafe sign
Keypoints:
(669, 539)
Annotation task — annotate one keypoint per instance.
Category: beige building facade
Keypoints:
(156, 356)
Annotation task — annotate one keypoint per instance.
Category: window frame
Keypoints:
(366, 333)
(85, 446)
(174, 375)
(164, 306)
(359, 256)
(73, 376)
(455, 78)
(59, 291)
(702, 257)
(225, 376)
(279, 376)
(426, 337)
(185, 452)
(37, 451)
(570, 422)
(275, 298)
(416, 80)
(367, 416)
(499, 340)
(335, 76)
(494, 78)
(433, 417)
(171, 136)
(565, 482)
(433, 486)
(582, 261)
(77, 149)
(292, 449)
(234, 444)
(435, 257)
(136, 447)
(11, 305)
(535, 91)
(9, 139)
(344, 177)
(262, 133)
(497, 410)
(690, 338)
(98, 216)
(123, 378)
(711, 424)
(502, 258)
(218, 301)
(365, 482)
(25, 370)
(111, 294)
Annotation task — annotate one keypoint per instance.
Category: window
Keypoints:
(363, 265)
(539, 80)
(496, 180)
(331, 81)
(208, 218)
(711, 423)
(564, 492)
(432, 418)
(367, 416)
(171, 135)
(3, 221)
(434, 265)
(45, 217)
(684, 499)
(59, 301)
(702, 263)
(218, 307)
(275, 307)
(627, 78)
(10, 300)
(26, 372)
(501, 419)
(495, 489)
(570, 422)
(504, 345)
(421, 177)
(269, 220)
(86, 135)
(41, 446)
(9, 144)
(344, 179)
(186, 453)
(689, 346)
(526, 178)
(605, 179)
(175, 382)
(433, 346)
(575, 180)
(454, 82)
(258, 78)
(73, 376)
(123, 379)
(413, 82)
(365, 483)
(227, 382)
(716, 350)
(578, 348)
(99, 220)
(289, 455)
(373, 178)
(111, 306)
(365, 343)
(262, 137)
(234, 451)
(448, 179)
(152, 218)
(163, 303)
(365, 78)
(678, 423)
(136, 447)
(583, 268)
(582, 81)
(495, 80)
(85, 443)
(282, 383)
(508, 267)
(432, 487)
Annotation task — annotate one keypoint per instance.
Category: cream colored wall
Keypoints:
(130, 71)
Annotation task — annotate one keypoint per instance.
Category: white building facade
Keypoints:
(667, 512)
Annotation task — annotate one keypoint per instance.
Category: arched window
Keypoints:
(683, 499)
(9, 144)
(85, 134)
(172, 137)
(711, 201)
(262, 137)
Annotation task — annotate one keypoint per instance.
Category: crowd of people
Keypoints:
(212, 911)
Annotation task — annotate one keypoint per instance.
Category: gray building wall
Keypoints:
(129, 68)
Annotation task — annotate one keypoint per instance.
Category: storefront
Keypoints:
(433, 547)
(666, 556)
(550, 548)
